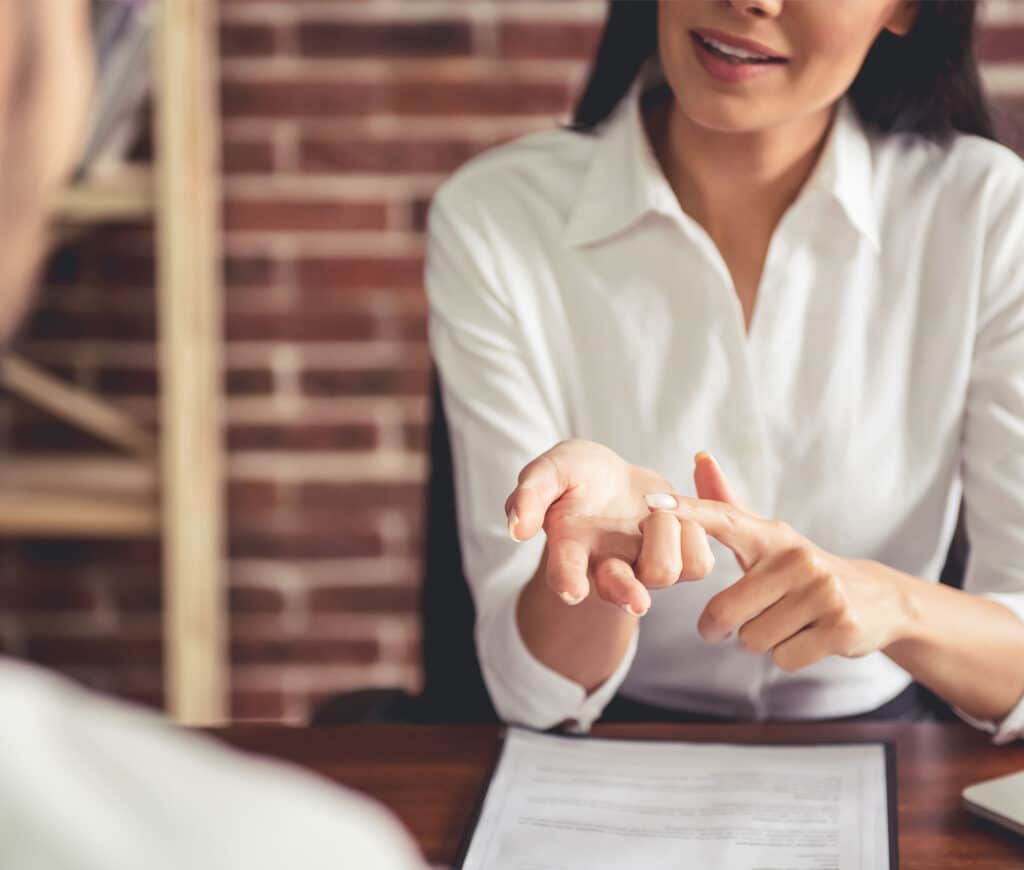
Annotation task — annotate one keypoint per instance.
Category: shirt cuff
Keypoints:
(527, 692)
(1011, 727)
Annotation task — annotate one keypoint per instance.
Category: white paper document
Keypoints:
(598, 804)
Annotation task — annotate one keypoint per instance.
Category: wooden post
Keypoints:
(190, 326)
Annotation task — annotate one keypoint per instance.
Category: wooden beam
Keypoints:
(81, 473)
(78, 496)
(25, 514)
(75, 405)
(190, 325)
(126, 194)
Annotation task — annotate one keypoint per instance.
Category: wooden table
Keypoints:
(433, 776)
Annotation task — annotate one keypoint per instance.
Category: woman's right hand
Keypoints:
(591, 504)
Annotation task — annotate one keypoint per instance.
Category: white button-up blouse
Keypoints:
(882, 377)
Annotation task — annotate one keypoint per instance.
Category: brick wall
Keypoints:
(340, 119)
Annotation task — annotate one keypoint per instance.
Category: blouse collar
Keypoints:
(624, 180)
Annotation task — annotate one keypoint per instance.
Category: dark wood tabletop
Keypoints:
(432, 777)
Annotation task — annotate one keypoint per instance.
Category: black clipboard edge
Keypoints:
(891, 793)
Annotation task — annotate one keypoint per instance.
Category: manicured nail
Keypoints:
(632, 611)
(513, 521)
(571, 600)
(661, 501)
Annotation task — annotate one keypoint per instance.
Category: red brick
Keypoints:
(289, 99)
(304, 436)
(436, 38)
(1000, 43)
(329, 98)
(248, 272)
(416, 436)
(364, 496)
(299, 325)
(304, 650)
(255, 600)
(239, 39)
(546, 40)
(247, 157)
(44, 592)
(249, 382)
(365, 382)
(358, 273)
(109, 651)
(253, 496)
(251, 704)
(305, 541)
(479, 97)
(320, 152)
(305, 215)
(364, 599)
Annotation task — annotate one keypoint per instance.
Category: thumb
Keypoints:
(710, 480)
(540, 485)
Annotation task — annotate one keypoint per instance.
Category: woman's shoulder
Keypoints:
(962, 171)
(533, 175)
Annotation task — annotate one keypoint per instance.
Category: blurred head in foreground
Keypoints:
(45, 78)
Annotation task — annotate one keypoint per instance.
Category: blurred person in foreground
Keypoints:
(86, 782)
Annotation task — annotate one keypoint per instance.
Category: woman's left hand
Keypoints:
(794, 601)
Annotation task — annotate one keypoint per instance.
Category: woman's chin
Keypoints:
(726, 114)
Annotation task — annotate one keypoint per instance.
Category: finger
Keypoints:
(661, 561)
(695, 551)
(567, 569)
(746, 534)
(788, 616)
(756, 591)
(802, 650)
(710, 480)
(540, 485)
(617, 584)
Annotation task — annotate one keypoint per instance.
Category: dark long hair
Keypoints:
(926, 82)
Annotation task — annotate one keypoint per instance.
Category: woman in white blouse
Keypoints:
(779, 232)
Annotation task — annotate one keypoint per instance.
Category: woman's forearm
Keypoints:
(967, 649)
(584, 642)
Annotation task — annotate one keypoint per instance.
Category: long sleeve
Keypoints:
(993, 458)
(89, 783)
(503, 410)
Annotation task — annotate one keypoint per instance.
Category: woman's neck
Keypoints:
(735, 184)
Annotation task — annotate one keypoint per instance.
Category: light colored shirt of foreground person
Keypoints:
(91, 784)
(881, 379)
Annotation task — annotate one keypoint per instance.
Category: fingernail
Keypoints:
(661, 501)
(571, 600)
(703, 454)
(632, 611)
(513, 521)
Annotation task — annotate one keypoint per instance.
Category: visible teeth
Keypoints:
(734, 52)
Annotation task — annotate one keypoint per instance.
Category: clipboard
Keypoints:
(888, 747)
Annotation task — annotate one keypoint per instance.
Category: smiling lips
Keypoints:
(737, 47)
(731, 59)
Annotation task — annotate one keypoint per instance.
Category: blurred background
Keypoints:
(334, 121)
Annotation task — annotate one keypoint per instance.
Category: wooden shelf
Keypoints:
(78, 496)
(124, 194)
(29, 514)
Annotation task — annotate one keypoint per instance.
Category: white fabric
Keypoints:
(91, 784)
(570, 296)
